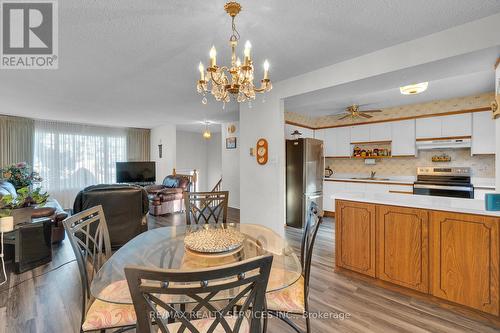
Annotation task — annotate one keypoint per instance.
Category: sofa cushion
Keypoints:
(171, 181)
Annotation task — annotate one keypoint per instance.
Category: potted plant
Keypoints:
(27, 200)
(20, 175)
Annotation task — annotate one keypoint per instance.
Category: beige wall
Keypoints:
(482, 166)
(435, 107)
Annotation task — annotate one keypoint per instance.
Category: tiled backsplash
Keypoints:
(482, 165)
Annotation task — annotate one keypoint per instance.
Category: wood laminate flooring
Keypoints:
(48, 299)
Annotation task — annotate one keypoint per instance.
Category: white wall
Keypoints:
(214, 160)
(166, 135)
(262, 187)
(194, 152)
(231, 165)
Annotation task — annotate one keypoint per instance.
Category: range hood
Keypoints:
(444, 143)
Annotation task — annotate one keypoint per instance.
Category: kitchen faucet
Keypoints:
(372, 174)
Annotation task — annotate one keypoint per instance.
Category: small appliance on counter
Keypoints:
(492, 201)
(328, 172)
(444, 182)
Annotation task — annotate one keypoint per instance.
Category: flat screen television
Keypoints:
(135, 172)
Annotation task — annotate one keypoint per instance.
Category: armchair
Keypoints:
(169, 196)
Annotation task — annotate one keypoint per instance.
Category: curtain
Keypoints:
(70, 157)
(16, 140)
(138, 144)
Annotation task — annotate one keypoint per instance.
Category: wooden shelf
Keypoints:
(370, 157)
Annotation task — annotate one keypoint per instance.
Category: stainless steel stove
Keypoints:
(444, 182)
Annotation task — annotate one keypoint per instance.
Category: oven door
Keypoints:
(444, 191)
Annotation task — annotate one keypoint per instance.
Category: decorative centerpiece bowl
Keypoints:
(214, 240)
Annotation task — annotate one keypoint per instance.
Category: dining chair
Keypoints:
(89, 237)
(206, 207)
(295, 298)
(201, 288)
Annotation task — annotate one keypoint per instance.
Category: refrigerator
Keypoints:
(305, 168)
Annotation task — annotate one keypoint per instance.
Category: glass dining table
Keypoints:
(164, 248)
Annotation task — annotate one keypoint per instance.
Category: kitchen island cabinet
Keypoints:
(444, 247)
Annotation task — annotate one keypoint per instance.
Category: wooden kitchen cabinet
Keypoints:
(355, 236)
(465, 260)
(403, 246)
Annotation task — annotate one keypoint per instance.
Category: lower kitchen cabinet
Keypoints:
(403, 246)
(452, 256)
(465, 260)
(355, 237)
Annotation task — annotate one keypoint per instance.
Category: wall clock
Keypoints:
(262, 151)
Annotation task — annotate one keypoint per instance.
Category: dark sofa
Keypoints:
(125, 208)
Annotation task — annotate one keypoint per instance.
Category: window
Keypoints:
(70, 157)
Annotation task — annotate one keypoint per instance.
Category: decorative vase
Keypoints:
(6, 223)
(22, 215)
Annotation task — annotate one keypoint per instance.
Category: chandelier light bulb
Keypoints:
(201, 68)
(266, 65)
(213, 55)
(248, 47)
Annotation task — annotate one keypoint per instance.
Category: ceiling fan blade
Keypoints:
(371, 111)
(347, 115)
(367, 116)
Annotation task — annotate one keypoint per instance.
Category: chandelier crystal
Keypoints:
(237, 79)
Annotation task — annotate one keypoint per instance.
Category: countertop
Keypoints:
(479, 183)
(398, 181)
(456, 205)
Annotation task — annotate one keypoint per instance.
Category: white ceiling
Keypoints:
(134, 63)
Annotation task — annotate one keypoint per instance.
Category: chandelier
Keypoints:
(237, 79)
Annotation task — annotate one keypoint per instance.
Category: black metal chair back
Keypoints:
(206, 207)
(147, 286)
(89, 237)
(314, 220)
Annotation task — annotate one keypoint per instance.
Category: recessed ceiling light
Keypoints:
(414, 89)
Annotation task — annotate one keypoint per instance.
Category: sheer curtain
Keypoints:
(70, 157)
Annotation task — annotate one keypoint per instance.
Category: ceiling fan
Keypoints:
(354, 112)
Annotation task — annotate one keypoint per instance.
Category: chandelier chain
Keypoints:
(236, 35)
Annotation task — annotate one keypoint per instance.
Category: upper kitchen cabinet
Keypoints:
(403, 138)
(459, 125)
(360, 133)
(306, 132)
(380, 132)
(337, 141)
(371, 133)
(483, 133)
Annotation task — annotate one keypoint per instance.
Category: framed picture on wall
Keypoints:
(231, 143)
